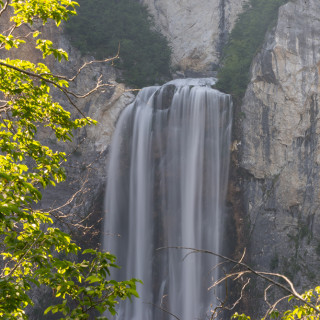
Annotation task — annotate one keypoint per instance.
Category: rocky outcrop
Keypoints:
(196, 30)
(280, 151)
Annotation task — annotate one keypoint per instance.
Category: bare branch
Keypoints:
(5, 107)
(222, 306)
(215, 312)
(218, 265)
(236, 275)
(84, 66)
(295, 293)
(260, 274)
(95, 61)
(70, 200)
(98, 86)
(266, 294)
(241, 295)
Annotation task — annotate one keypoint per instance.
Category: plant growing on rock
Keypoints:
(245, 40)
(33, 251)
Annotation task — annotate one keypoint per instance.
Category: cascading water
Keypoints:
(167, 180)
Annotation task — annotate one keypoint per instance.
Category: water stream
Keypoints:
(167, 180)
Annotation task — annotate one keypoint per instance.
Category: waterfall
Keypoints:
(167, 181)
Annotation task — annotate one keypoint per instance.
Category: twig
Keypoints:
(66, 92)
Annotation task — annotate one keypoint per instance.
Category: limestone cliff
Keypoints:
(280, 151)
(196, 30)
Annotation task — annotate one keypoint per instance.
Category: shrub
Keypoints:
(101, 25)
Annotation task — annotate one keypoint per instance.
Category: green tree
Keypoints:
(104, 24)
(33, 251)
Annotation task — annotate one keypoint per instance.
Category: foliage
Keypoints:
(101, 25)
(245, 39)
(301, 311)
(32, 247)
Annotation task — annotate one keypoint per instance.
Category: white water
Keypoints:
(167, 180)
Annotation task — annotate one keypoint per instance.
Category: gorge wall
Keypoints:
(280, 151)
(276, 149)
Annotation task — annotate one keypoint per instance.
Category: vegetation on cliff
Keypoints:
(33, 252)
(245, 40)
(101, 25)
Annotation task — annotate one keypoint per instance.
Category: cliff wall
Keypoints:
(196, 30)
(280, 147)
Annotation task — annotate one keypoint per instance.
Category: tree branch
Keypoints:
(21, 259)
(260, 274)
(4, 7)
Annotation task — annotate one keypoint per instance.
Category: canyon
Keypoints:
(273, 199)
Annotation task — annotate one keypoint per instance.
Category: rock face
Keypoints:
(88, 152)
(280, 152)
(196, 30)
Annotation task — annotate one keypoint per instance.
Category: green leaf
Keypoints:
(48, 310)
(93, 279)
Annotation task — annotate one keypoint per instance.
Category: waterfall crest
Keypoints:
(167, 180)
